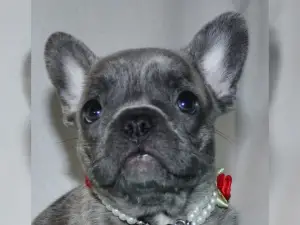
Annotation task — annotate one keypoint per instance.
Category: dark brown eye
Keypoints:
(187, 102)
(91, 111)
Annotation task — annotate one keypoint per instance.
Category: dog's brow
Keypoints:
(173, 78)
(98, 83)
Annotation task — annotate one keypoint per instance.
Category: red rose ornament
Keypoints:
(224, 185)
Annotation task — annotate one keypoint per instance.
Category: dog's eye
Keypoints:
(91, 111)
(187, 102)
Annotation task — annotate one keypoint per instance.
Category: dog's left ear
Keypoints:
(218, 52)
(68, 61)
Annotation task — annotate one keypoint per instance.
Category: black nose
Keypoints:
(137, 126)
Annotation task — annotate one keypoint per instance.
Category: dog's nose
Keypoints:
(137, 127)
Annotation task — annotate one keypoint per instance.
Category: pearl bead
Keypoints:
(196, 210)
(200, 220)
(191, 216)
(213, 201)
(122, 216)
(209, 207)
(108, 207)
(115, 212)
(131, 220)
(204, 213)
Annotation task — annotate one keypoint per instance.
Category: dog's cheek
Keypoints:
(90, 132)
(90, 142)
(104, 172)
(208, 151)
(201, 144)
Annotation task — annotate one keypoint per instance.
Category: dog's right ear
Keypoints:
(68, 60)
(219, 52)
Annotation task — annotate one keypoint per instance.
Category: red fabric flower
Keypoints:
(88, 183)
(224, 185)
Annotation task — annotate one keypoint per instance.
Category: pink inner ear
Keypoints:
(214, 69)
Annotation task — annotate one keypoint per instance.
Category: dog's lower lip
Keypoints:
(142, 157)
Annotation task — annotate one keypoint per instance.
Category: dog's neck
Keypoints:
(199, 199)
(200, 196)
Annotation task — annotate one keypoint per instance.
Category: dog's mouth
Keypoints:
(140, 163)
(143, 170)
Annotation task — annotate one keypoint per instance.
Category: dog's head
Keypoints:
(145, 116)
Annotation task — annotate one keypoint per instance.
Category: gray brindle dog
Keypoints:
(145, 120)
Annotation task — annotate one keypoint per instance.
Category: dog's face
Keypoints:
(145, 116)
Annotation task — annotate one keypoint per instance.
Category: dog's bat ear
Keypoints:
(68, 60)
(218, 52)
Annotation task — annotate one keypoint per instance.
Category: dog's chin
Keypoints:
(143, 169)
(143, 174)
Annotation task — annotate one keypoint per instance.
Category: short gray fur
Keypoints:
(146, 81)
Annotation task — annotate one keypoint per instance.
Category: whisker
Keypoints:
(226, 137)
(67, 140)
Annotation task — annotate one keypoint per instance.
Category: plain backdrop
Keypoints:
(108, 26)
(15, 45)
(284, 112)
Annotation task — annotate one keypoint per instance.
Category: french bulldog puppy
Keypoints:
(145, 120)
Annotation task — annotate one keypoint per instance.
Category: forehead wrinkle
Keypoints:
(156, 63)
(142, 102)
(168, 68)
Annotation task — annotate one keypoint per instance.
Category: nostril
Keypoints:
(129, 128)
(144, 127)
